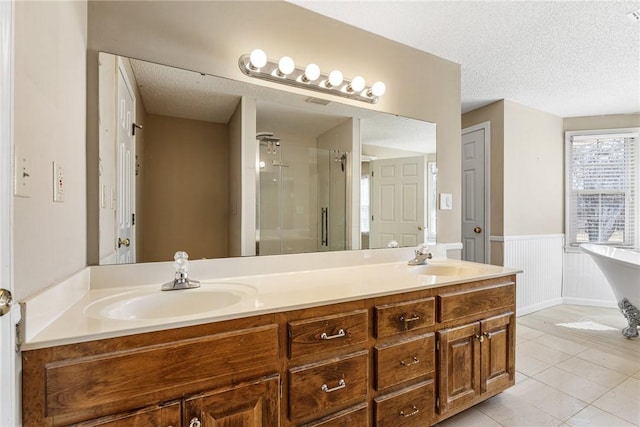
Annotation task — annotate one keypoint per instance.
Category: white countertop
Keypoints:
(269, 293)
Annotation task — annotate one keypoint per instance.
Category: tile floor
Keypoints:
(573, 368)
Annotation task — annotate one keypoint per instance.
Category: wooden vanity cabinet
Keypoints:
(476, 359)
(407, 359)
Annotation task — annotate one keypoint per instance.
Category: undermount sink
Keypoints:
(151, 304)
(447, 270)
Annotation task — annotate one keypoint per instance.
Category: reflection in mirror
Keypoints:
(221, 168)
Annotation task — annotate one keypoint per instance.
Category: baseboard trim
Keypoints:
(538, 306)
(589, 302)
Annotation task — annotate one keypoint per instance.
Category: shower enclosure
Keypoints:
(301, 197)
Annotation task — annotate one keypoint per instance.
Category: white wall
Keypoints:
(50, 105)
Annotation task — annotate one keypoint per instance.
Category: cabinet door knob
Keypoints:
(124, 242)
(341, 333)
(488, 335)
(195, 422)
(480, 338)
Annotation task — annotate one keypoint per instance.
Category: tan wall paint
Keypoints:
(186, 164)
(49, 125)
(612, 121)
(533, 170)
(526, 171)
(210, 37)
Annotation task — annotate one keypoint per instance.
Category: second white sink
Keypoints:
(156, 304)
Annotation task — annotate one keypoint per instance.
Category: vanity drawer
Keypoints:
(327, 333)
(125, 379)
(401, 317)
(332, 385)
(404, 360)
(476, 302)
(412, 406)
(354, 416)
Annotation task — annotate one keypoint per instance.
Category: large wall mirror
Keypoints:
(222, 168)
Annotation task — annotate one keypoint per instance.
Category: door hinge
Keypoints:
(133, 219)
(371, 217)
(437, 402)
(438, 345)
(371, 174)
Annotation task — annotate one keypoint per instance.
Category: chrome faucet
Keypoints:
(181, 280)
(422, 255)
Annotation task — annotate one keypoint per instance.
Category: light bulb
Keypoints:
(377, 89)
(311, 73)
(286, 65)
(335, 78)
(257, 58)
(357, 84)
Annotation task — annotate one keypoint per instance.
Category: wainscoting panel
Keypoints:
(540, 257)
(584, 283)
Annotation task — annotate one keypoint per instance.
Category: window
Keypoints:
(602, 187)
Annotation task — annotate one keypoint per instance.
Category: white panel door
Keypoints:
(397, 202)
(473, 196)
(9, 409)
(125, 171)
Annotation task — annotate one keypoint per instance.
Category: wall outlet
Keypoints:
(58, 182)
(22, 179)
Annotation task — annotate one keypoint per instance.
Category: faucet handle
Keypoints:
(422, 249)
(181, 263)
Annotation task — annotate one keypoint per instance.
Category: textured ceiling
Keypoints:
(569, 58)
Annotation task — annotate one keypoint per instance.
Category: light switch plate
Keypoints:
(58, 182)
(22, 180)
(446, 201)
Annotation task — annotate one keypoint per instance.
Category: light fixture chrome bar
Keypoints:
(271, 72)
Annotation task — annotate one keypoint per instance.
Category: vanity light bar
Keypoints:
(256, 64)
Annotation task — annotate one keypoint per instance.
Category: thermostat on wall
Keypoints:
(445, 201)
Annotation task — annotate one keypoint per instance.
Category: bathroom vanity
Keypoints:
(398, 348)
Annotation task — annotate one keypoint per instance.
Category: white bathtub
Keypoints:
(621, 268)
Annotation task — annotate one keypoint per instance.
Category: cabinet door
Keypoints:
(249, 405)
(156, 416)
(498, 353)
(459, 376)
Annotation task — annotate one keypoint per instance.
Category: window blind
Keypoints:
(602, 189)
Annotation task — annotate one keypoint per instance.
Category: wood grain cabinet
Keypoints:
(476, 361)
(400, 360)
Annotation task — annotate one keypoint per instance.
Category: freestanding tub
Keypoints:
(621, 268)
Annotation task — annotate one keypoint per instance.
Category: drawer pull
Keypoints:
(413, 362)
(414, 411)
(340, 385)
(341, 333)
(406, 321)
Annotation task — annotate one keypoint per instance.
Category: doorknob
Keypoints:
(124, 242)
(5, 301)
(419, 228)
(477, 230)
